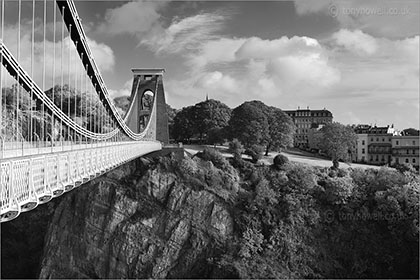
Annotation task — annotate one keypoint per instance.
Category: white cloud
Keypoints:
(264, 49)
(125, 90)
(133, 17)
(356, 41)
(221, 50)
(184, 34)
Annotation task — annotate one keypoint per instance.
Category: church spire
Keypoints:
(207, 97)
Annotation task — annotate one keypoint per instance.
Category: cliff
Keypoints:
(144, 220)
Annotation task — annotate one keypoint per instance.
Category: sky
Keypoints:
(358, 59)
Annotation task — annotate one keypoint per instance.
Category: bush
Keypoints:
(338, 189)
(405, 167)
(215, 157)
(280, 160)
(255, 152)
(236, 148)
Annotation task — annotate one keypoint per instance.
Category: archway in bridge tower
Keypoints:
(146, 105)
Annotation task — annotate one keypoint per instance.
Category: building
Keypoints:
(362, 152)
(380, 144)
(305, 120)
(405, 149)
(375, 144)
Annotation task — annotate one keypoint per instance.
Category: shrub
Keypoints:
(280, 160)
(405, 167)
(215, 157)
(338, 189)
(255, 152)
(236, 148)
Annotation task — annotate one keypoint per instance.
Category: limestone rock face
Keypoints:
(139, 222)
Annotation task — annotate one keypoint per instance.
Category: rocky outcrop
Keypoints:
(143, 221)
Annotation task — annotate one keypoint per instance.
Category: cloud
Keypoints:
(132, 18)
(261, 49)
(239, 69)
(356, 41)
(143, 20)
(184, 34)
(125, 90)
(217, 51)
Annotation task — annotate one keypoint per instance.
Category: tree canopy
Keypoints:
(254, 123)
(336, 140)
(249, 123)
(204, 120)
(411, 132)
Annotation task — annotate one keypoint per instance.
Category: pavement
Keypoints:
(294, 155)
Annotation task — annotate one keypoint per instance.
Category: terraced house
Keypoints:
(405, 149)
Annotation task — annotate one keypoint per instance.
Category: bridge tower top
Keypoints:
(154, 71)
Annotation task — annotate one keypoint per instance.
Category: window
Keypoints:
(397, 143)
(371, 139)
(414, 143)
(398, 160)
(363, 142)
(383, 139)
(414, 152)
(406, 160)
(414, 160)
(363, 151)
(408, 152)
(377, 139)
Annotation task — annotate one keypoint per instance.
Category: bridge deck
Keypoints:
(27, 181)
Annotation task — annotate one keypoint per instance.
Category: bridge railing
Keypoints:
(29, 181)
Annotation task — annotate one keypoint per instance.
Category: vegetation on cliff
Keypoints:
(294, 221)
(207, 217)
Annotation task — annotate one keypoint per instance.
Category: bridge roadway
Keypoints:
(44, 173)
(22, 149)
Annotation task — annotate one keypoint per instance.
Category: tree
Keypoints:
(255, 123)
(255, 152)
(236, 148)
(209, 115)
(184, 125)
(280, 131)
(411, 132)
(337, 140)
(206, 119)
(249, 123)
(216, 136)
(171, 116)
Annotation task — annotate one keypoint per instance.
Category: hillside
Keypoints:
(206, 217)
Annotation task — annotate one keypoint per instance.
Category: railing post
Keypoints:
(21, 139)
(51, 140)
(71, 142)
(61, 141)
(37, 142)
(1, 146)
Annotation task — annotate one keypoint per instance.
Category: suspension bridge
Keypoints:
(59, 126)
